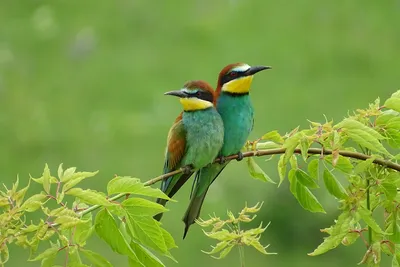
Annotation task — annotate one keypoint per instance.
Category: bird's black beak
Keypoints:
(178, 93)
(255, 69)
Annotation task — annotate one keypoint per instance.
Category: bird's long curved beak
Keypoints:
(253, 70)
(178, 93)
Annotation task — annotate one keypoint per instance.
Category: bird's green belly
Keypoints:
(204, 137)
(237, 115)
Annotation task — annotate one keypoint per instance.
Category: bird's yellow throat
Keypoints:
(192, 103)
(238, 86)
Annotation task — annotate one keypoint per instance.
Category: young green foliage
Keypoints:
(229, 232)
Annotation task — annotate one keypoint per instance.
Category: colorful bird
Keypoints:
(194, 139)
(234, 105)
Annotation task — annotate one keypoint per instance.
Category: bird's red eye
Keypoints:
(198, 93)
(233, 74)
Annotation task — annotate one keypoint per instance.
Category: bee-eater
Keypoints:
(195, 138)
(234, 105)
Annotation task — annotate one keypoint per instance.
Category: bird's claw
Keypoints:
(222, 159)
(186, 170)
(239, 156)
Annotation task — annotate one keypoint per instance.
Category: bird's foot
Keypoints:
(222, 159)
(239, 156)
(186, 170)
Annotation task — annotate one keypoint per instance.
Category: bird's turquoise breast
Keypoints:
(237, 115)
(204, 136)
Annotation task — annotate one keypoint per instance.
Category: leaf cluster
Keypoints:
(127, 227)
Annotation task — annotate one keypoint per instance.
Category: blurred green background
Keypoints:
(82, 82)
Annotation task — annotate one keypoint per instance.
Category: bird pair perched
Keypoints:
(213, 124)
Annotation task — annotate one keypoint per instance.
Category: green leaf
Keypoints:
(144, 256)
(303, 195)
(363, 165)
(366, 215)
(130, 185)
(290, 144)
(169, 240)
(142, 207)
(338, 232)
(281, 169)
(389, 189)
(4, 254)
(343, 163)
(95, 258)
(273, 136)
(75, 178)
(351, 124)
(74, 259)
(304, 146)
(267, 145)
(49, 261)
(333, 185)
(313, 168)
(305, 179)
(89, 196)
(45, 254)
(67, 222)
(34, 202)
(46, 179)
(84, 230)
(393, 137)
(107, 230)
(256, 172)
(19, 196)
(147, 230)
(393, 103)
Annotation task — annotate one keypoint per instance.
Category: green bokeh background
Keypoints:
(82, 82)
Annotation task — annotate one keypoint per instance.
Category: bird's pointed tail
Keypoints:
(193, 211)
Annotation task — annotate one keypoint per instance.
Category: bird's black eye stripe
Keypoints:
(232, 75)
(203, 95)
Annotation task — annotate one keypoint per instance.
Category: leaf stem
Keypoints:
(241, 254)
(369, 208)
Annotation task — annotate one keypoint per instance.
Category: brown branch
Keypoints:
(277, 151)
(260, 153)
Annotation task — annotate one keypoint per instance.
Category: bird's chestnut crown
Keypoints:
(237, 78)
(195, 95)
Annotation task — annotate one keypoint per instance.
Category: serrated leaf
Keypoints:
(46, 179)
(53, 180)
(342, 163)
(89, 196)
(130, 185)
(142, 207)
(363, 165)
(147, 230)
(107, 230)
(333, 185)
(273, 136)
(366, 215)
(255, 243)
(351, 124)
(267, 145)
(19, 196)
(169, 240)
(224, 252)
(4, 254)
(393, 103)
(281, 169)
(338, 232)
(256, 172)
(145, 256)
(305, 179)
(313, 168)
(45, 254)
(303, 195)
(49, 261)
(366, 140)
(67, 222)
(84, 230)
(222, 235)
(67, 174)
(304, 146)
(290, 144)
(34, 202)
(393, 136)
(389, 189)
(220, 246)
(307, 200)
(95, 258)
(76, 178)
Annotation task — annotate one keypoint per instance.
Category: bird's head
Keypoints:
(236, 78)
(195, 95)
